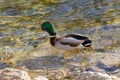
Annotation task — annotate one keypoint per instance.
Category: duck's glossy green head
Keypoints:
(47, 26)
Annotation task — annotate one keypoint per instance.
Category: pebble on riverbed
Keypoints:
(13, 74)
(95, 76)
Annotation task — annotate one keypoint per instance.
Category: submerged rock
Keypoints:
(58, 1)
(95, 76)
(13, 74)
(4, 65)
(40, 78)
(109, 63)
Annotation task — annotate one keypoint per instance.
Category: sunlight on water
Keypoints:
(20, 19)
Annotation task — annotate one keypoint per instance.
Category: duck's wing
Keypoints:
(77, 36)
(70, 41)
(73, 39)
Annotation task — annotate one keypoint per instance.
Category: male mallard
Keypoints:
(67, 42)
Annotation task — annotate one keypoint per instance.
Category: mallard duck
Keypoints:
(67, 42)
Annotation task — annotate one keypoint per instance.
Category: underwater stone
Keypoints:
(13, 74)
(95, 76)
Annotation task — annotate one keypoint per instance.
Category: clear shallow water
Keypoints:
(19, 20)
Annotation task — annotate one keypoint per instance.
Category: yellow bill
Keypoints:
(39, 30)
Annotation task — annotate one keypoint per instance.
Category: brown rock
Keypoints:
(95, 76)
(13, 74)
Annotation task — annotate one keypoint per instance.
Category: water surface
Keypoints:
(19, 41)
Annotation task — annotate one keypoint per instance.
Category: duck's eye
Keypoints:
(43, 27)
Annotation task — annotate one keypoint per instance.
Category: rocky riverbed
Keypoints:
(26, 54)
